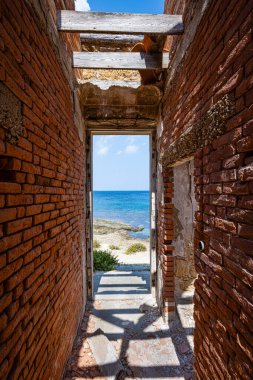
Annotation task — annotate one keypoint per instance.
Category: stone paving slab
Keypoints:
(118, 285)
(105, 356)
(146, 347)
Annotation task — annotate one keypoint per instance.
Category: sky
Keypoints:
(131, 6)
(120, 162)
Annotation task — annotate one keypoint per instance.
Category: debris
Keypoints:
(105, 356)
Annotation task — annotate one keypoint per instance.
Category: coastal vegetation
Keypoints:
(96, 244)
(114, 247)
(137, 247)
(104, 260)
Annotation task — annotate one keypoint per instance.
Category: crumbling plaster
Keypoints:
(184, 208)
(10, 115)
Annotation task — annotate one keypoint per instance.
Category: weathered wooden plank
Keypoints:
(132, 125)
(119, 23)
(121, 60)
(110, 39)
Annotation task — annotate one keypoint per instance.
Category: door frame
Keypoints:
(89, 202)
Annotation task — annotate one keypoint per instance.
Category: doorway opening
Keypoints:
(121, 205)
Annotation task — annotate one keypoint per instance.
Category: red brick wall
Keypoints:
(41, 195)
(219, 61)
(165, 231)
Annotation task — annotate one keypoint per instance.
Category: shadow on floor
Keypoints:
(145, 347)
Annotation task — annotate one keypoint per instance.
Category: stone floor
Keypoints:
(144, 347)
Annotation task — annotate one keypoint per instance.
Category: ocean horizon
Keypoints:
(127, 206)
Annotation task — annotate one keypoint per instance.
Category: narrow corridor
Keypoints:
(124, 323)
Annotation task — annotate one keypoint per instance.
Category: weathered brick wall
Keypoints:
(41, 193)
(208, 109)
(165, 232)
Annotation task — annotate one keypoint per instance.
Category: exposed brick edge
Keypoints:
(47, 23)
(202, 133)
(194, 16)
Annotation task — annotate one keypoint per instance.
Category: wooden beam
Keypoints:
(122, 60)
(110, 39)
(119, 124)
(119, 23)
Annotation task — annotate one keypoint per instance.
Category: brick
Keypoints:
(18, 251)
(55, 231)
(10, 241)
(17, 225)
(10, 163)
(246, 202)
(33, 210)
(32, 232)
(245, 231)
(8, 214)
(3, 321)
(212, 189)
(15, 280)
(224, 176)
(41, 218)
(42, 198)
(245, 144)
(235, 188)
(2, 201)
(240, 215)
(233, 162)
(223, 200)
(5, 301)
(37, 140)
(8, 270)
(225, 225)
(32, 255)
(243, 244)
(17, 152)
(246, 173)
(6, 187)
(14, 322)
(16, 200)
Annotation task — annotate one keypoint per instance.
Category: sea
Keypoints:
(131, 207)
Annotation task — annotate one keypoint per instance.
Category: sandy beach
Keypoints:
(107, 233)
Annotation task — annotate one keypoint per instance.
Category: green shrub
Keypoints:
(137, 247)
(114, 247)
(96, 244)
(104, 260)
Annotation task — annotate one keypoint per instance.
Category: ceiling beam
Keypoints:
(110, 39)
(121, 60)
(119, 23)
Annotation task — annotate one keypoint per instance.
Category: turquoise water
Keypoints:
(130, 207)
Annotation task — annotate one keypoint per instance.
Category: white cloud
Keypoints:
(131, 149)
(82, 5)
(103, 151)
(131, 139)
(102, 145)
(119, 152)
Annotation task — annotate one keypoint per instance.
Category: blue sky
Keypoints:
(131, 6)
(120, 162)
